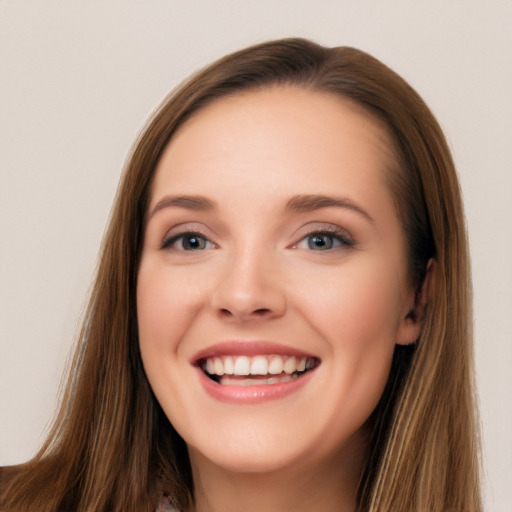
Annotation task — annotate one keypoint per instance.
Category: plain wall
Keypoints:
(77, 80)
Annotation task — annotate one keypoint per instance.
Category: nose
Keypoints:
(250, 289)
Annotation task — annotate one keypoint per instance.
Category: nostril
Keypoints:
(261, 312)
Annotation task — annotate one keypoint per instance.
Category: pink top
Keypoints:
(165, 505)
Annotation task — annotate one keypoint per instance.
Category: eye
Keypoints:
(188, 242)
(325, 241)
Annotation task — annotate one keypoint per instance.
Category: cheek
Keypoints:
(154, 302)
(160, 316)
(358, 315)
(166, 301)
(360, 306)
(165, 307)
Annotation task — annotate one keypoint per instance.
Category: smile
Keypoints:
(252, 372)
(242, 370)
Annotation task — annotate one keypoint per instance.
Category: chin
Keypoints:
(247, 460)
(250, 447)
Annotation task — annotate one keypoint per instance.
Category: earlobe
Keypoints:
(409, 330)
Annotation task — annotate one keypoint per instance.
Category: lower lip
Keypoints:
(253, 394)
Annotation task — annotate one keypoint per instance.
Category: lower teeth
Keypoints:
(253, 382)
(230, 380)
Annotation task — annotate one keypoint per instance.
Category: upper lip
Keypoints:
(248, 348)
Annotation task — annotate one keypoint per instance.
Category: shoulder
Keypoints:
(7, 473)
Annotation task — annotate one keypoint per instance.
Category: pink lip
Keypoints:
(255, 393)
(252, 394)
(247, 348)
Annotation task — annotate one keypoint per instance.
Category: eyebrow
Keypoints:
(197, 203)
(299, 203)
(312, 202)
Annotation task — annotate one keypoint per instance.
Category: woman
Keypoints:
(281, 315)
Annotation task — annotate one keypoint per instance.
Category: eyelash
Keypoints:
(338, 238)
(168, 243)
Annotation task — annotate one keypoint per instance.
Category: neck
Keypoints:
(328, 486)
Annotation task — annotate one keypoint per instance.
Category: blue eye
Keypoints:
(188, 242)
(324, 241)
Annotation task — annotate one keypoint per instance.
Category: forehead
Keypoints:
(283, 135)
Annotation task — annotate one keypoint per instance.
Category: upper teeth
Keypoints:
(257, 365)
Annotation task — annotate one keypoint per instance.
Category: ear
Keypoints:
(415, 307)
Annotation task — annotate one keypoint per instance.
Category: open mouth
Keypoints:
(260, 370)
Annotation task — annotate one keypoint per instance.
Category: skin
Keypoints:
(260, 276)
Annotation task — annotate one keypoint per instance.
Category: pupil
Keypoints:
(193, 242)
(320, 242)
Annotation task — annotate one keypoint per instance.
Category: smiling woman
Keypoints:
(281, 315)
(316, 281)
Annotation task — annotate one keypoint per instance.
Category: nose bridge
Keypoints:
(249, 287)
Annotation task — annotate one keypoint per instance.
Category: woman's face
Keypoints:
(272, 287)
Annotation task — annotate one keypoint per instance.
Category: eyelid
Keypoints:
(338, 232)
(177, 232)
(169, 243)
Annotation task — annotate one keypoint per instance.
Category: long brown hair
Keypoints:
(112, 448)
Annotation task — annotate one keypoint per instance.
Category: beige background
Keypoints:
(77, 80)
